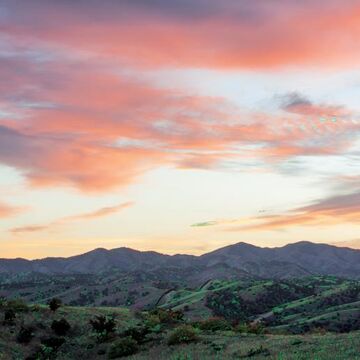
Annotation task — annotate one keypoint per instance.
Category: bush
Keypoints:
(54, 304)
(214, 324)
(3, 301)
(256, 328)
(152, 322)
(25, 335)
(60, 327)
(17, 305)
(103, 325)
(242, 328)
(183, 334)
(35, 308)
(123, 347)
(136, 333)
(52, 342)
(9, 317)
(168, 316)
(259, 351)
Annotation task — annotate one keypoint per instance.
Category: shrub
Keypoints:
(123, 347)
(103, 325)
(136, 333)
(217, 347)
(214, 324)
(152, 322)
(37, 354)
(54, 304)
(9, 317)
(17, 305)
(259, 351)
(183, 334)
(241, 328)
(53, 342)
(35, 308)
(25, 335)
(168, 316)
(256, 328)
(60, 327)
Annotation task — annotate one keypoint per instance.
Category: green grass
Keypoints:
(82, 343)
(314, 347)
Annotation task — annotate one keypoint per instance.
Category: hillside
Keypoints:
(31, 334)
(293, 305)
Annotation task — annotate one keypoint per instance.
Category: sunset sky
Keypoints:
(178, 126)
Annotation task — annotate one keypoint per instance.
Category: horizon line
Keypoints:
(334, 244)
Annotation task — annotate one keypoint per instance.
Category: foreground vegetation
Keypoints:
(56, 331)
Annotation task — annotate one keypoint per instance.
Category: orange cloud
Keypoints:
(89, 125)
(100, 212)
(87, 216)
(8, 210)
(354, 244)
(333, 210)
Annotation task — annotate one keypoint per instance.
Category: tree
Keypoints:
(54, 304)
(9, 317)
(103, 325)
(60, 327)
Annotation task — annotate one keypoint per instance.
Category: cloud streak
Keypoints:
(102, 212)
(329, 211)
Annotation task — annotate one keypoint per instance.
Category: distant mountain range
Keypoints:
(293, 260)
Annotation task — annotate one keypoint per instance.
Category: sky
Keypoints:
(178, 126)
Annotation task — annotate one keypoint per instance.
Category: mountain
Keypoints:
(293, 260)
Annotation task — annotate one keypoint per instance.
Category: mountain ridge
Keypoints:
(296, 259)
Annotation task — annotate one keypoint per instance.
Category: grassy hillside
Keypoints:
(305, 318)
(148, 334)
(289, 305)
(292, 306)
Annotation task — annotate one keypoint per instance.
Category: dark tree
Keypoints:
(25, 335)
(54, 304)
(60, 327)
(9, 317)
(103, 325)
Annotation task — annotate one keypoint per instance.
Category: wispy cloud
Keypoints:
(354, 244)
(7, 210)
(29, 229)
(297, 103)
(205, 223)
(105, 211)
(335, 209)
(329, 211)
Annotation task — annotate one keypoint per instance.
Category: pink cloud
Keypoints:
(102, 212)
(79, 119)
(8, 210)
(329, 211)
(239, 34)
